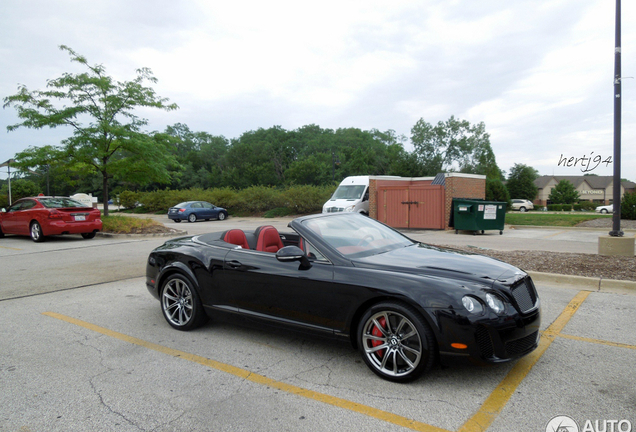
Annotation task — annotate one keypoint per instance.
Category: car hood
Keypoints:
(430, 260)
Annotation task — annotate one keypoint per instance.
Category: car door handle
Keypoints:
(234, 264)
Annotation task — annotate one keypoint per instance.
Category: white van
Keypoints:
(351, 196)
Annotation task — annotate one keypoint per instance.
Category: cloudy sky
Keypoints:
(538, 73)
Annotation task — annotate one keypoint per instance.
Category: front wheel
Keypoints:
(522, 209)
(222, 216)
(36, 232)
(180, 303)
(395, 342)
(604, 211)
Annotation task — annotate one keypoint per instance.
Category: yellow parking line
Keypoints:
(6, 247)
(259, 379)
(553, 235)
(598, 341)
(498, 399)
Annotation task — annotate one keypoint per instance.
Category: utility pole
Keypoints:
(616, 219)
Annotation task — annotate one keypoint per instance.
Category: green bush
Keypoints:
(588, 205)
(567, 207)
(628, 206)
(555, 207)
(128, 199)
(253, 200)
(307, 199)
(258, 199)
(577, 207)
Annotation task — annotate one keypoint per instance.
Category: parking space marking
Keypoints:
(498, 399)
(479, 422)
(10, 248)
(256, 378)
(598, 341)
(553, 235)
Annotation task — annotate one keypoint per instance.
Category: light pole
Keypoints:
(616, 219)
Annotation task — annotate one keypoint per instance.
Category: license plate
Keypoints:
(80, 218)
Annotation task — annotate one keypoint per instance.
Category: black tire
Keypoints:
(88, 236)
(400, 351)
(36, 232)
(180, 303)
(222, 216)
(604, 211)
(1, 233)
(192, 217)
(177, 220)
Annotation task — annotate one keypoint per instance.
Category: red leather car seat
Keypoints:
(268, 240)
(237, 237)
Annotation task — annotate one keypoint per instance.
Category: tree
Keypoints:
(107, 135)
(496, 191)
(20, 188)
(521, 182)
(564, 193)
(628, 206)
(454, 145)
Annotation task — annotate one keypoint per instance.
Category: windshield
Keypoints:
(357, 236)
(350, 192)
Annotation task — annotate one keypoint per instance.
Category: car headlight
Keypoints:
(472, 305)
(495, 303)
(350, 208)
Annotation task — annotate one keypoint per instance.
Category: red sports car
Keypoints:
(45, 216)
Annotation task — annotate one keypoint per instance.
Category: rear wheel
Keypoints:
(192, 217)
(36, 232)
(177, 220)
(395, 342)
(180, 303)
(88, 236)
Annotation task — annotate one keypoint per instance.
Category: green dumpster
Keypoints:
(478, 215)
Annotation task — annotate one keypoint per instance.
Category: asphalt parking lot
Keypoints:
(85, 347)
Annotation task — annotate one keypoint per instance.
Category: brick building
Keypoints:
(598, 189)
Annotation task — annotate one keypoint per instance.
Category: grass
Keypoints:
(125, 224)
(566, 219)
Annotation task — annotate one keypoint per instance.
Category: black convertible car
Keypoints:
(400, 302)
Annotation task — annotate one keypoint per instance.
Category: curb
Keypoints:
(558, 228)
(585, 283)
(168, 234)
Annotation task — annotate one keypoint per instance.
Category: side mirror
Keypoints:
(293, 253)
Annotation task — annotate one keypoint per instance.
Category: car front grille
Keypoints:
(484, 342)
(334, 209)
(521, 345)
(525, 294)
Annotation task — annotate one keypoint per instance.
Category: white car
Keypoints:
(522, 205)
(605, 209)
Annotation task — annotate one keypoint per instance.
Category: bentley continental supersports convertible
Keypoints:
(400, 302)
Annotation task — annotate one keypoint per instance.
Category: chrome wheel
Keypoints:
(36, 232)
(221, 216)
(180, 305)
(395, 342)
(192, 217)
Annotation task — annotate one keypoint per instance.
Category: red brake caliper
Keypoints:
(377, 332)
